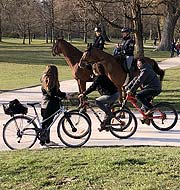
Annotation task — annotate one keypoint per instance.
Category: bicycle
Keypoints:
(120, 127)
(21, 131)
(163, 117)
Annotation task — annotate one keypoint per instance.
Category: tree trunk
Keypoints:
(24, 38)
(46, 34)
(136, 12)
(85, 30)
(167, 33)
(159, 29)
(29, 35)
(0, 27)
(173, 13)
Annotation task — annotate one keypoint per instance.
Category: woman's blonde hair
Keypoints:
(50, 78)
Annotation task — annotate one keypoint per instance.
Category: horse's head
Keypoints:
(56, 49)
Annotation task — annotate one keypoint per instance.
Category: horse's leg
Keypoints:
(82, 87)
(120, 95)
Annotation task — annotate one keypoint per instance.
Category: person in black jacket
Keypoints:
(126, 48)
(50, 102)
(149, 83)
(106, 88)
(99, 40)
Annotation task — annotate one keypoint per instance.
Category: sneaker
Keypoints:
(102, 128)
(42, 143)
(145, 121)
(51, 143)
(48, 141)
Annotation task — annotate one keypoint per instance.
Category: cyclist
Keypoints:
(50, 102)
(99, 40)
(106, 88)
(149, 83)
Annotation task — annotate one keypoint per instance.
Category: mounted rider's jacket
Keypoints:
(127, 46)
(99, 42)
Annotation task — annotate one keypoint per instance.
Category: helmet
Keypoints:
(126, 29)
(97, 29)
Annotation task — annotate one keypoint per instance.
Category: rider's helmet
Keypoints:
(97, 29)
(126, 29)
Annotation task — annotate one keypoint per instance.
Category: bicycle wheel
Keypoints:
(164, 117)
(20, 132)
(82, 112)
(123, 127)
(74, 129)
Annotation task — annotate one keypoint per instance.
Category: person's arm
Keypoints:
(138, 82)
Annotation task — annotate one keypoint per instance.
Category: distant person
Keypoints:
(99, 40)
(50, 102)
(172, 48)
(106, 88)
(155, 42)
(177, 48)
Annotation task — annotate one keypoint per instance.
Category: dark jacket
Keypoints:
(99, 42)
(104, 86)
(50, 100)
(127, 46)
(146, 79)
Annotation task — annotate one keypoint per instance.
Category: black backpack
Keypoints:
(15, 107)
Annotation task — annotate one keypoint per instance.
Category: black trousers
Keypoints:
(145, 96)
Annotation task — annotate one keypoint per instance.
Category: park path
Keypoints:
(145, 135)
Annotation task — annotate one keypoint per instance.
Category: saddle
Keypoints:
(122, 60)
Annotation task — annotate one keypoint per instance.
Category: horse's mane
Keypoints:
(73, 53)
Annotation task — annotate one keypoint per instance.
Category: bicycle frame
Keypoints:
(56, 114)
(133, 101)
(85, 105)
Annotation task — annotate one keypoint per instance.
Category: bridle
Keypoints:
(55, 49)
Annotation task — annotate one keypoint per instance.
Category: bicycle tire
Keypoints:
(82, 112)
(20, 132)
(123, 127)
(170, 116)
(76, 136)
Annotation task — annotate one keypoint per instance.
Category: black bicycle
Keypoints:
(123, 123)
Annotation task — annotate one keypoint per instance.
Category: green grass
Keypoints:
(134, 168)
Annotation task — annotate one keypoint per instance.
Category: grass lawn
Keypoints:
(113, 168)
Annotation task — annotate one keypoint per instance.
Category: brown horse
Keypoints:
(113, 67)
(72, 56)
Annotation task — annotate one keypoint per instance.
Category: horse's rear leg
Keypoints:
(159, 71)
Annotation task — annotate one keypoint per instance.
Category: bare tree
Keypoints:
(172, 15)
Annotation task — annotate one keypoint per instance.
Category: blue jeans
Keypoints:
(104, 102)
(145, 96)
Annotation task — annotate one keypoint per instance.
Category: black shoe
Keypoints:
(106, 128)
(42, 143)
(145, 121)
(48, 141)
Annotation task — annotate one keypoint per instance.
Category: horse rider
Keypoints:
(126, 48)
(99, 40)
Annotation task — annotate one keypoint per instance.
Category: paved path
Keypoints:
(145, 135)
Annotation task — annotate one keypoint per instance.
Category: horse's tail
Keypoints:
(158, 70)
